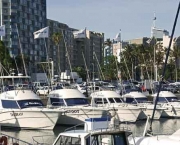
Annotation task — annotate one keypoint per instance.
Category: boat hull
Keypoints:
(77, 115)
(29, 118)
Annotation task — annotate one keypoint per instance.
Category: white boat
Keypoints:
(97, 131)
(169, 101)
(20, 107)
(139, 99)
(75, 105)
(24, 109)
(112, 100)
(173, 139)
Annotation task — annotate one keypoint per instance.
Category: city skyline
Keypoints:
(134, 18)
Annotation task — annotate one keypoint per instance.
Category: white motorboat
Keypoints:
(21, 107)
(112, 100)
(75, 105)
(97, 131)
(24, 109)
(169, 101)
(139, 99)
(173, 139)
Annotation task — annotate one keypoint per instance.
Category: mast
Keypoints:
(165, 64)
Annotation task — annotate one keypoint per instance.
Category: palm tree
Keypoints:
(175, 54)
(56, 38)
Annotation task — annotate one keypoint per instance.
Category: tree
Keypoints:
(5, 58)
(56, 38)
(110, 69)
(81, 72)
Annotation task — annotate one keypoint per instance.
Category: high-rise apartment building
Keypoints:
(24, 17)
(92, 47)
(65, 55)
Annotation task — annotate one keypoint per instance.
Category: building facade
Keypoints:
(89, 53)
(21, 18)
(66, 52)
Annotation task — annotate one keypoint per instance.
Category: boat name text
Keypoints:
(72, 111)
(16, 114)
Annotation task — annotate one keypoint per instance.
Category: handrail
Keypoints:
(15, 140)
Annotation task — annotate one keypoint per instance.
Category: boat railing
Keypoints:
(14, 141)
(74, 128)
(43, 140)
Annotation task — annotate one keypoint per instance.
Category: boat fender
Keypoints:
(3, 140)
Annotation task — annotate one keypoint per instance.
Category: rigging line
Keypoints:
(165, 64)
(147, 70)
(16, 64)
(86, 67)
(126, 66)
(68, 56)
(99, 65)
(47, 59)
(4, 68)
(22, 55)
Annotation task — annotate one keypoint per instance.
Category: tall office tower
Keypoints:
(24, 17)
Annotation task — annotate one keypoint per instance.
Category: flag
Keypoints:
(80, 34)
(2, 30)
(118, 37)
(42, 33)
(149, 41)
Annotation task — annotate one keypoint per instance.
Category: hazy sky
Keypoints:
(133, 17)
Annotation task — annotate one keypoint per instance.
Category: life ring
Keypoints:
(4, 140)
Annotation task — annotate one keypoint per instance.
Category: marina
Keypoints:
(163, 126)
(60, 85)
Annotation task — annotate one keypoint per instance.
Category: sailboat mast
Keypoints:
(165, 64)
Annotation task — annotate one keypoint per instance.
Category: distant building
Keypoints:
(84, 48)
(139, 41)
(26, 17)
(65, 44)
(158, 33)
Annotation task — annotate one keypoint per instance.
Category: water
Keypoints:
(162, 126)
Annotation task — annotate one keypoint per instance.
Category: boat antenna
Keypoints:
(165, 64)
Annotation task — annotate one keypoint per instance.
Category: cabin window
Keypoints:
(111, 100)
(118, 100)
(76, 101)
(105, 100)
(129, 100)
(68, 140)
(141, 100)
(30, 103)
(120, 139)
(172, 99)
(10, 104)
(162, 99)
(98, 100)
(57, 102)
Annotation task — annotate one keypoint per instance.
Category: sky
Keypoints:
(133, 17)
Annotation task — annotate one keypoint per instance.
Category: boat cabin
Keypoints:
(135, 98)
(105, 98)
(166, 97)
(96, 132)
(19, 99)
(66, 97)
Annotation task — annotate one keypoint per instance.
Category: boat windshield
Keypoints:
(118, 100)
(30, 103)
(141, 100)
(109, 139)
(162, 99)
(76, 101)
(68, 140)
(172, 99)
